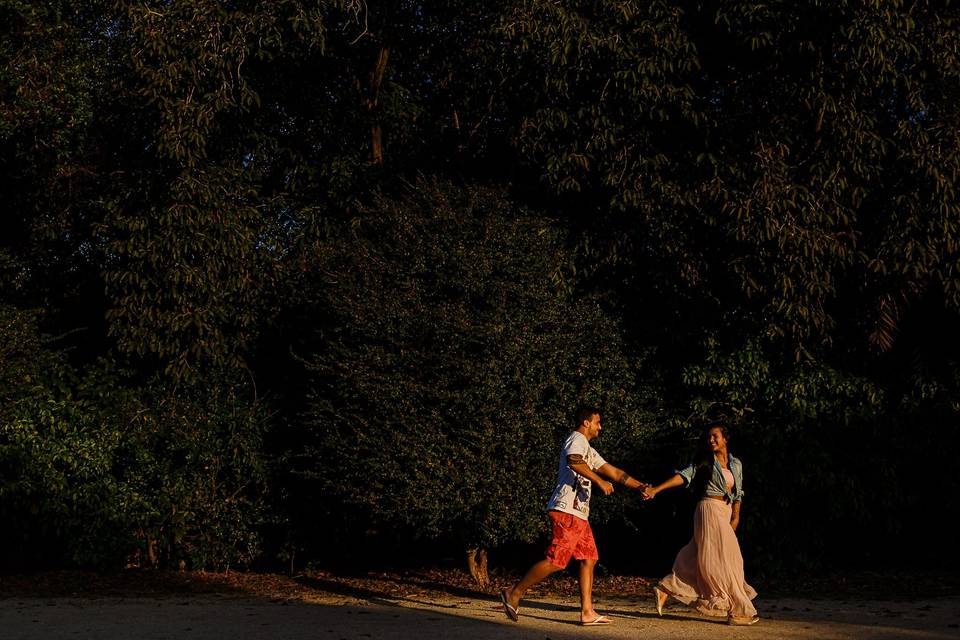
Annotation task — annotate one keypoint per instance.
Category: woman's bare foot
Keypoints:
(660, 598)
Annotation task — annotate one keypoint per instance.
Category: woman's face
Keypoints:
(716, 440)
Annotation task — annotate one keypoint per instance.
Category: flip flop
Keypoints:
(511, 612)
(596, 621)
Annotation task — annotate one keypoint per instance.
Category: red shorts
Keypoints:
(572, 536)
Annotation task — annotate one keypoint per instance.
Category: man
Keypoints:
(581, 467)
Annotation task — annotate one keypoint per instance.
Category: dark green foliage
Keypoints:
(735, 207)
(110, 477)
(804, 435)
(192, 247)
(94, 472)
(24, 362)
(789, 210)
(457, 357)
(831, 458)
(779, 145)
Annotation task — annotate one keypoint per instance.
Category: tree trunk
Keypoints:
(152, 556)
(376, 143)
(477, 564)
(373, 95)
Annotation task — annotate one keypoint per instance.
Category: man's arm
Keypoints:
(578, 464)
(619, 475)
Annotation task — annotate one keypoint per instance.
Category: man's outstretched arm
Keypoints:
(621, 476)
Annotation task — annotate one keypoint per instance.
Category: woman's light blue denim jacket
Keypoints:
(716, 486)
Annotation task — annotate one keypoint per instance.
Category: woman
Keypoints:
(708, 572)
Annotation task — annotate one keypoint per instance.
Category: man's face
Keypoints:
(592, 426)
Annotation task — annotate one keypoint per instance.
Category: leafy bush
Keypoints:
(830, 462)
(109, 474)
(453, 355)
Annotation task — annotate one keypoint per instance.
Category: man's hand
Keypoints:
(649, 492)
(606, 487)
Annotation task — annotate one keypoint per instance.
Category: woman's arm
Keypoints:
(735, 516)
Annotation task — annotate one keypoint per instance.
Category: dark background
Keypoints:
(321, 284)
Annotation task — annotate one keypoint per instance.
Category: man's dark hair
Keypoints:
(583, 413)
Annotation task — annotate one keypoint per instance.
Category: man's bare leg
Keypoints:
(535, 574)
(587, 612)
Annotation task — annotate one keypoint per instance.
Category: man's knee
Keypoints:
(546, 567)
(553, 567)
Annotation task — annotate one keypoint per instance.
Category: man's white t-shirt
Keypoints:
(572, 494)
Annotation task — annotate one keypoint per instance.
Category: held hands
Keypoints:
(645, 489)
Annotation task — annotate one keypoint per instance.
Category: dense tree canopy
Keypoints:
(440, 393)
(261, 254)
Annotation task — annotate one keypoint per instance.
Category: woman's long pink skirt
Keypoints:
(708, 572)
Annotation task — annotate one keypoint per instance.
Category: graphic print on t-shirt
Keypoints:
(581, 500)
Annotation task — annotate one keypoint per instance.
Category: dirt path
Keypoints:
(236, 617)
